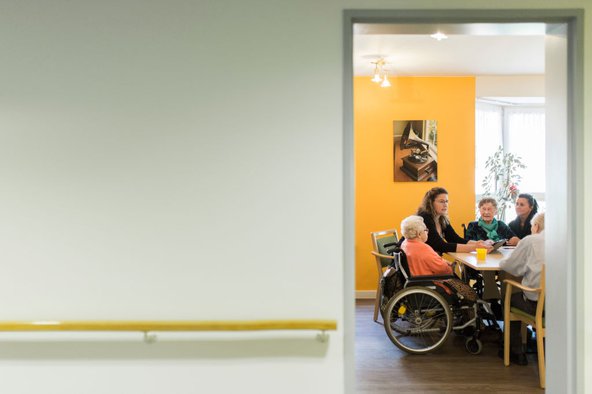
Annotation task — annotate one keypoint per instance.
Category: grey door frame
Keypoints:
(564, 373)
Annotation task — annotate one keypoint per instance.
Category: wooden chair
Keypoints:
(537, 322)
(379, 240)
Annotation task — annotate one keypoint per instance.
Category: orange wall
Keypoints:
(380, 202)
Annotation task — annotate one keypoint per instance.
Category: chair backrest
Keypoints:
(381, 242)
(541, 300)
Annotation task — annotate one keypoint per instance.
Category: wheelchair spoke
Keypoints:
(418, 320)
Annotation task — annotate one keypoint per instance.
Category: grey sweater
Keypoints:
(527, 261)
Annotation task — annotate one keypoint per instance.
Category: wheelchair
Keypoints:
(419, 313)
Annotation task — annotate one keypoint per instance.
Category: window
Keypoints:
(525, 129)
(519, 130)
(488, 136)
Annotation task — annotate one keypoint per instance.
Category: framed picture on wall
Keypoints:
(415, 150)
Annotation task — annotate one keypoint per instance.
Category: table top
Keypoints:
(491, 262)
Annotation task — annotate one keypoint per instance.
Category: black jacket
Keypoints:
(520, 232)
(439, 244)
(477, 233)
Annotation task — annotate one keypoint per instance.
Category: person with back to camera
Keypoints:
(441, 236)
(526, 261)
(526, 208)
(422, 259)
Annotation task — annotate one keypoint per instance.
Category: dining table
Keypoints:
(490, 263)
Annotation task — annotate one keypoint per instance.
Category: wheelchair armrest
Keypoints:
(424, 278)
(427, 279)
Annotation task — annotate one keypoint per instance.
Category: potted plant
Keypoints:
(503, 179)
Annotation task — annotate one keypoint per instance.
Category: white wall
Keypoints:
(170, 160)
(510, 86)
(177, 160)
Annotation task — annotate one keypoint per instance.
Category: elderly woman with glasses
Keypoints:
(488, 227)
(422, 259)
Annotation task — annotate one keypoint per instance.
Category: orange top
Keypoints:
(423, 260)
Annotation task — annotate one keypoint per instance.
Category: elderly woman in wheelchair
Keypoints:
(427, 301)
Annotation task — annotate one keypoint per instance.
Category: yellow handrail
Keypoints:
(148, 326)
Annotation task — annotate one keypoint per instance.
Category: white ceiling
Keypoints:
(471, 49)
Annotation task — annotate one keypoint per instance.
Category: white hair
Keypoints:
(539, 219)
(412, 226)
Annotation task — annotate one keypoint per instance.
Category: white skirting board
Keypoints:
(365, 294)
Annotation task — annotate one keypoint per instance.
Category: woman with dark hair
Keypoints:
(526, 208)
(441, 236)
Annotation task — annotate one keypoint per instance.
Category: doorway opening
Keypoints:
(567, 118)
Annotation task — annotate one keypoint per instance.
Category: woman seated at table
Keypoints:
(441, 236)
(526, 208)
(422, 259)
(488, 227)
(527, 261)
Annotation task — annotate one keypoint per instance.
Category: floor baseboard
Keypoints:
(365, 294)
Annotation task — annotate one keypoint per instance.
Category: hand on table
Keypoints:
(513, 241)
(485, 245)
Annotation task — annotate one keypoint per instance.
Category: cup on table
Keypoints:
(481, 253)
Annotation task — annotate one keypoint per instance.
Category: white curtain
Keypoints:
(520, 130)
(525, 136)
(488, 137)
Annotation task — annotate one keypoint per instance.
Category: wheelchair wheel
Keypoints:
(473, 345)
(417, 320)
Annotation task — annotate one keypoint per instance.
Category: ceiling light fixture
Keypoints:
(385, 82)
(380, 74)
(439, 36)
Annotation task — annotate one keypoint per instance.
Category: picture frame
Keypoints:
(415, 150)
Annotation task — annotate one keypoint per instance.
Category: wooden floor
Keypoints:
(382, 368)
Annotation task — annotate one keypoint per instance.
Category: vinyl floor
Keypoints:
(382, 368)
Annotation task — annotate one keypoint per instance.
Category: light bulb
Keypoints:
(385, 82)
(376, 75)
(439, 36)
